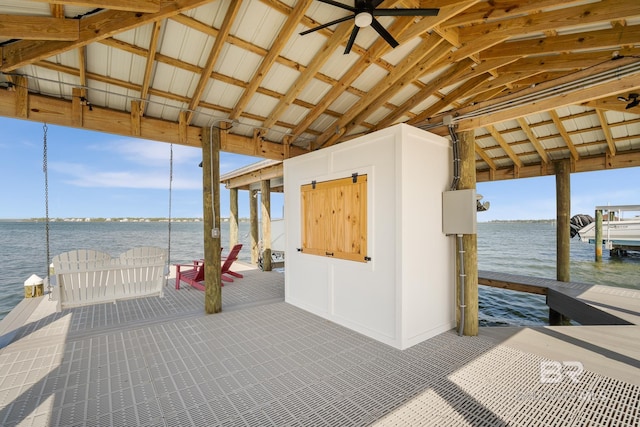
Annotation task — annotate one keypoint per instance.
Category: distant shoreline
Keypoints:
(117, 220)
(224, 219)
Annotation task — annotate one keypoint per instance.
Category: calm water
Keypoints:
(521, 248)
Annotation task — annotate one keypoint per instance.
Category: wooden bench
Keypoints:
(85, 277)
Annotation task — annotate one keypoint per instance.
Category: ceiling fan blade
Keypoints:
(352, 39)
(340, 5)
(405, 12)
(383, 33)
(328, 24)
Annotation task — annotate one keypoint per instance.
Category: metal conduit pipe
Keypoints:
(456, 158)
(582, 83)
(462, 305)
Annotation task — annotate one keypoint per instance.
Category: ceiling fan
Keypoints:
(633, 100)
(364, 13)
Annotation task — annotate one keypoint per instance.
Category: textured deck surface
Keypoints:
(262, 362)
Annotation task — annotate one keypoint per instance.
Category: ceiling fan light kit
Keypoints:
(633, 100)
(364, 13)
(363, 19)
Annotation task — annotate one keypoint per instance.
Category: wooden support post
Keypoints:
(211, 216)
(233, 217)
(598, 237)
(76, 106)
(22, 97)
(563, 217)
(469, 241)
(265, 197)
(253, 218)
(563, 231)
(136, 118)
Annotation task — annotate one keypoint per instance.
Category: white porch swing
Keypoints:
(85, 277)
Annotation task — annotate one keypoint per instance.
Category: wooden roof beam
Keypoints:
(615, 38)
(601, 11)
(145, 6)
(92, 28)
(269, 172)
(501, 9)
(39, 28)
(59, 112)
(622, 84)
(428, 23)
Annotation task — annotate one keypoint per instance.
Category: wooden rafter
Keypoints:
(92, 28)
(483, 154)
(57, 10)
(563, 132)
(446, 78)
(505, 146)
(611, 145)
(378, 49)
(148, 69)
(274, 51)
(232, 12)
(318, 61)
(533, 139)
(416, 64)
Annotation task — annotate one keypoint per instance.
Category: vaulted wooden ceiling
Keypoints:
(537, 80)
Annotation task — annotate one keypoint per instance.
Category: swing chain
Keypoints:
(170, 192)
(46, 202)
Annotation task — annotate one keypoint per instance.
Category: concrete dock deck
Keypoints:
(262, 362)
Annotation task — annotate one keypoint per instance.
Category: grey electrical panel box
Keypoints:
(459, 212)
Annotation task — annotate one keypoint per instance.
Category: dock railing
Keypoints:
(562, 297)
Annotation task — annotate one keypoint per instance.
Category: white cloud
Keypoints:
(150, 152)
(80, 175)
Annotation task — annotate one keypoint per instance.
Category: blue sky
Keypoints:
(95, 174)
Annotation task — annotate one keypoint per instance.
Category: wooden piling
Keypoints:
(233, 217)
(470, 242)
(598, 236)
(563, 231)
(265, 197)
(211, 217)
(563, 218)
(253, 226)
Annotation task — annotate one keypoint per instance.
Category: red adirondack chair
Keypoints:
(228, 261)
(194, 276)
